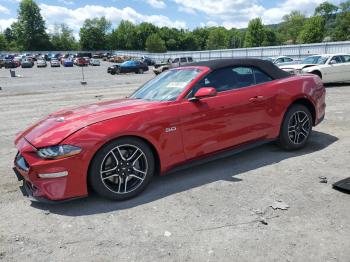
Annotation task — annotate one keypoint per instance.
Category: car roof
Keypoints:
(264, 65)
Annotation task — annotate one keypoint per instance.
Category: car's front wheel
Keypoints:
(296, 127)
(122, 169)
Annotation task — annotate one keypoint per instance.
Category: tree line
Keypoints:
(329, 23)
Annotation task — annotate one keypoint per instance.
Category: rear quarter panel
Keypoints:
(289, 90)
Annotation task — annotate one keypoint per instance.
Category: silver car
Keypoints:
(55, 63)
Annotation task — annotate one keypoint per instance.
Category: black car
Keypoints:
(112, 69)
(9, 63)
(130, 67)
(148, 61)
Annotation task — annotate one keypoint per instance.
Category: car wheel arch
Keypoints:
(317, 72)
(305, 102)
(152, 147)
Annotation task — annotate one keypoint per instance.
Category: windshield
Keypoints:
(167, 86)
(316, 60)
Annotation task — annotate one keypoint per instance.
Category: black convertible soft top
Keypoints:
(264, 65)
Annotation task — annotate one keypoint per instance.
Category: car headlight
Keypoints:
(56, 152)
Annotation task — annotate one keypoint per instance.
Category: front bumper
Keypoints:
(28, 167)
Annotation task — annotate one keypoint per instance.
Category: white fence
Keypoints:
(294, 51)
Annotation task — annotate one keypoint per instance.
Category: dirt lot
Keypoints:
(207, 213)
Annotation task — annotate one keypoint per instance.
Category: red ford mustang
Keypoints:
(186, 114)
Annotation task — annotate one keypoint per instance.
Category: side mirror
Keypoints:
(204, 92)
(332, 62)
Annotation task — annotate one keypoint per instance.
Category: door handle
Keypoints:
(256, 98)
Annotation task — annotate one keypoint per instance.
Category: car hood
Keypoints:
(295, 66)
(56, 127)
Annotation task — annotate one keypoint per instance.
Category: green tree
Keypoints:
(143, 31)
(29, 30)
(313, 30)
(93, 34)
(201, 34)
(217, 38)
(155, 44)
(124, 37)
(326, 9)
(342, 28)
(171, 44)
(235, 38)
(255, 34)
(292, 26)
(63, 39)
(188, 42)
(270, 37)
(3, 42)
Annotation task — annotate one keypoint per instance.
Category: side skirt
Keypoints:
(219, 155)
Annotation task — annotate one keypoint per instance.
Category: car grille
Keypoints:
(21, 162)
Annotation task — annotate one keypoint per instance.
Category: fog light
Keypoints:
(54, 175)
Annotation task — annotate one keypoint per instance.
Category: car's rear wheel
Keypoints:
(296, 127)
(140, 71)
(122, 169)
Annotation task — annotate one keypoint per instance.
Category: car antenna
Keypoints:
(82, 73)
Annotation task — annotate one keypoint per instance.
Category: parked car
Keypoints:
(281, 60)
(106, 56)
(41, 63)
(112, 69)
(95, 62)
(2, 62)
(172, 64)
(131, 67)
(81, 61)
(54, 62)
(148, 61)
(97, 55)
(9, 63)
(208, 109)
(162, 66)
(26, 63)
(67, 62)
(331, 68)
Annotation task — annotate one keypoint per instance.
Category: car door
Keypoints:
(346, 67)
(332, 71)
(237, 114)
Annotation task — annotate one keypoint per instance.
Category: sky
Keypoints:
(187, 14)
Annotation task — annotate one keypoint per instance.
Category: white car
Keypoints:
(41, 63)
(281, 60)
(94, 62)
(55, 63)
(331, 68)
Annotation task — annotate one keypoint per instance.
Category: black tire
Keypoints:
(110, 184)
(139, 71)
(295, 130)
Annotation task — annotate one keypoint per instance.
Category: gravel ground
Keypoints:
(212, 212)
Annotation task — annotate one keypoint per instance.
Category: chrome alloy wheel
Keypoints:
(124, 169)
(299, 126)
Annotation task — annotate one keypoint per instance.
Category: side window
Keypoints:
(279, 60)
(261, 77)
(176, 60)
(337, 59)
(287, 59)
(244, 76)
(190, 59)
(183, 60)
(346, 58)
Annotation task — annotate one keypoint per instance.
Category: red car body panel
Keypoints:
(178, 131)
